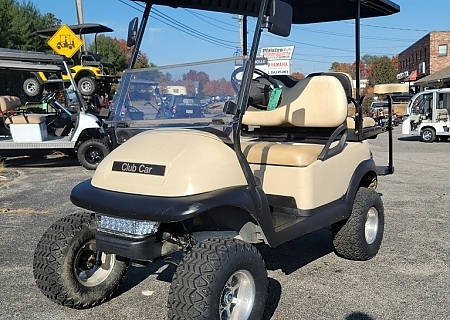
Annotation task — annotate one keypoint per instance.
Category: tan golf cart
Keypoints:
(269, 168)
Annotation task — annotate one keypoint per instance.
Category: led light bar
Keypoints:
(139, 228)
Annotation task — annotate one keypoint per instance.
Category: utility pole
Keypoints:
(240, 19)
(80, 19)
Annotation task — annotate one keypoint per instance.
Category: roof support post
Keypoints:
(140, 34)
(359, 115)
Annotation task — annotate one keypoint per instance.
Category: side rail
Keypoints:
(387, 90)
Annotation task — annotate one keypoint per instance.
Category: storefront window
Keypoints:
(443, 48)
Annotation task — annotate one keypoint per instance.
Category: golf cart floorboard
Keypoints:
(49, 143)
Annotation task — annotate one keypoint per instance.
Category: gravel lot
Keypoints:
(408, 279)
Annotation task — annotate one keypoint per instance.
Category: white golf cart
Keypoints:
(56, 127)
(428, 115)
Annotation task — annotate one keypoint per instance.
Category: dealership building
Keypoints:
(424, 58)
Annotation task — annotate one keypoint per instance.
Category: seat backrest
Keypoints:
(344, 78)
(442, 114)
(8, 103)
(313, 102)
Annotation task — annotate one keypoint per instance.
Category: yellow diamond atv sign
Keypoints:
(65, 42)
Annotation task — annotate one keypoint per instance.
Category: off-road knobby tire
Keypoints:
(349, 235)
(34, 83)
(92, 83)
(91, 152)
(428, 135)
(198, 283)
(54, 259)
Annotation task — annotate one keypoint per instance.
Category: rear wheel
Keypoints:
(91, 152)
(32, 87)
(64, 265)
(87, 86)
(359, 236)
(219, 279)
(428, 135)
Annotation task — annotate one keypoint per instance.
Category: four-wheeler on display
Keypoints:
(78, 129)
(92, 75)
(427, 115)
(267, 170)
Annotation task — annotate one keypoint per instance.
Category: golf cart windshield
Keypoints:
(184, 95)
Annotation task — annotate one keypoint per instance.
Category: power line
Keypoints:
(181, 26)
(215, 25)
(210, 18)
(350, 35)
(391, 28)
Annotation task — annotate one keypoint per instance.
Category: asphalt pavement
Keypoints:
(408, 279)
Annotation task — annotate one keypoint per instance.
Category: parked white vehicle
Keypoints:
(75, 129)
(428, 115)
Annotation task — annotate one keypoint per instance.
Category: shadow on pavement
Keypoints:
(297, 253)
(358, 316)
(288, 257)
(42, 159)
(409, 138)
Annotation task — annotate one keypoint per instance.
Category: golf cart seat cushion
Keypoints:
(389, 88)
(344, 78)
(441, 114)
(367, 122)
(8, 103)
(25, 119)
(312, 102)
(281, 154)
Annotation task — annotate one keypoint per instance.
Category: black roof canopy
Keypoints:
(303, 11)
(85, 28)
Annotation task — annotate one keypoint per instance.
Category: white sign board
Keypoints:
(279, 67)
(277, 53)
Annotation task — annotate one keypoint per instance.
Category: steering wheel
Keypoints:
(49, 96)
(259, 95)
(235, 82)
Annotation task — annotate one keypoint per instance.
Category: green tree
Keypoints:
(109, 50)
(18, 24)
(382, 71)
(369, 58)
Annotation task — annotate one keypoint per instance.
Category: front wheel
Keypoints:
(87, 86)
(359, 236)
(64, 265)
(428, 135)
(91, 152)
(32, 87)
(219, 279)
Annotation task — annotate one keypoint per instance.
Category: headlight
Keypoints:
(126, 227)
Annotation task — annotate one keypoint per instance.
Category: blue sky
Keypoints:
(316, 45)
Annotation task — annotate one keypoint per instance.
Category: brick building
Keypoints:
(427, 56)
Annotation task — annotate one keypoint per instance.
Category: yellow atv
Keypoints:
(91, 76)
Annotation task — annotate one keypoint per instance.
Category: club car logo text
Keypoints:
(142, 168)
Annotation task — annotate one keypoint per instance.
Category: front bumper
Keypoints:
(142, 249)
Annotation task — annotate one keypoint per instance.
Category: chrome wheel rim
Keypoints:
(86, 86)
(371, 226)
(238, 296)
(426, 135)
(86, 270)
(31, 87)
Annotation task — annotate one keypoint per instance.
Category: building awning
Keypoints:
(412, 76)
(442, 75)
